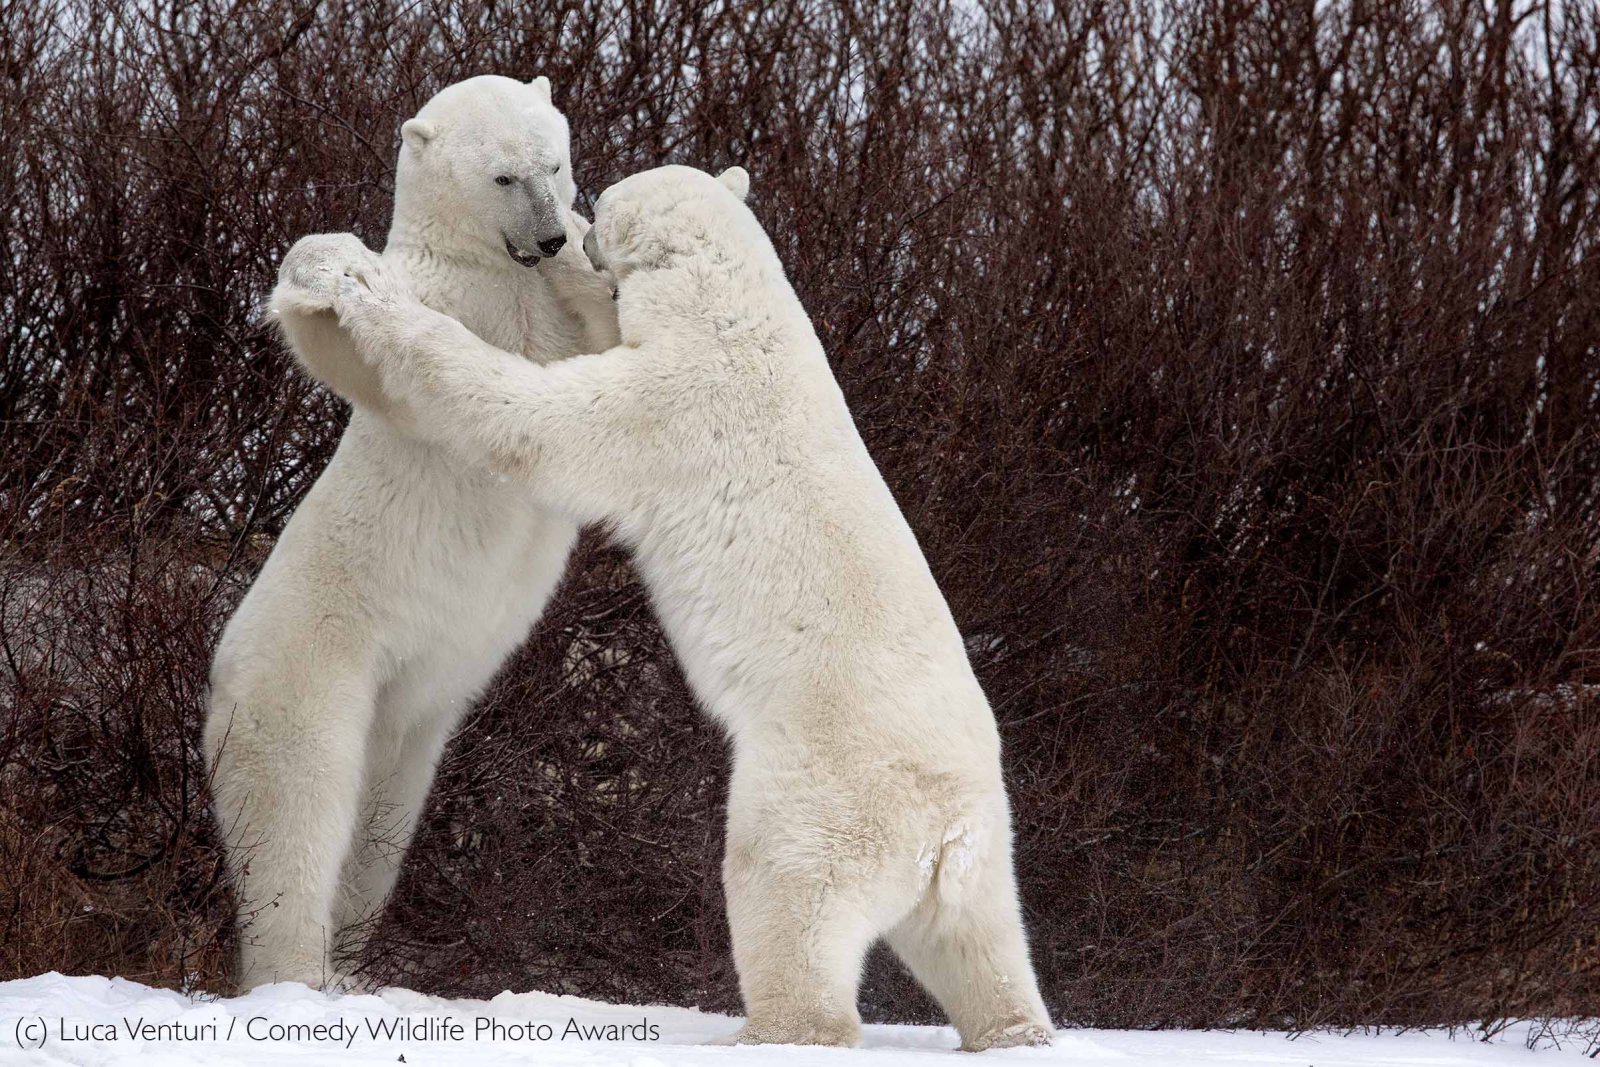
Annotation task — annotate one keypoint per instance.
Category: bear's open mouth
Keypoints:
(527, 259)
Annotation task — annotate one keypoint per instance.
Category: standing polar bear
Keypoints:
(867, 798)
(408, 574)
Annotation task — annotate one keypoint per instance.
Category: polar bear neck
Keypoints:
(506, 304)
(424, 235)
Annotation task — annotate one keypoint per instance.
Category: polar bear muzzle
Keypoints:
(547, 248)
(527, 259)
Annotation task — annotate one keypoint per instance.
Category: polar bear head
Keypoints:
(487, 165)
(649, 218)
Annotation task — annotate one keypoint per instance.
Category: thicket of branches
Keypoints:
(1236, 364)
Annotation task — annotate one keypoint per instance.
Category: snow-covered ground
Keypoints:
(108, 1020)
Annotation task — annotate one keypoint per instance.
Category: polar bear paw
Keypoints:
(310, 973)
(1017, 1035)
(842, 1033)
(320, 268)
(345, 983)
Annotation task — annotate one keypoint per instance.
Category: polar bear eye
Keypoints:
(504, 179)
(556, 169)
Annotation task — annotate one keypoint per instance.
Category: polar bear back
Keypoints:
(786, 575)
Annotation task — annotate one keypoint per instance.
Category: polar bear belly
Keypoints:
(469, 563)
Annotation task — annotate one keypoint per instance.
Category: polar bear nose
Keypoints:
(553, 245)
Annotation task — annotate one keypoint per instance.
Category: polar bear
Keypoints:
(408, 574)
(867, 797)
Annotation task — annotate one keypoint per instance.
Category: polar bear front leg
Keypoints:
(302, 305)
(583, 432)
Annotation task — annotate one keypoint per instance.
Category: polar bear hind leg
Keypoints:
(399, 772)
(968, 950)
(799, 940)
(819, 864)
(288, 767)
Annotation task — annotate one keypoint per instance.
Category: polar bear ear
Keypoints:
(541, 88)
(737, 179)
(418, 132)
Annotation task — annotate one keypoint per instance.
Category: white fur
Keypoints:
(409, 573)
(867, 798)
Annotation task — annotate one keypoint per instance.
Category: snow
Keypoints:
(90, 1020)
